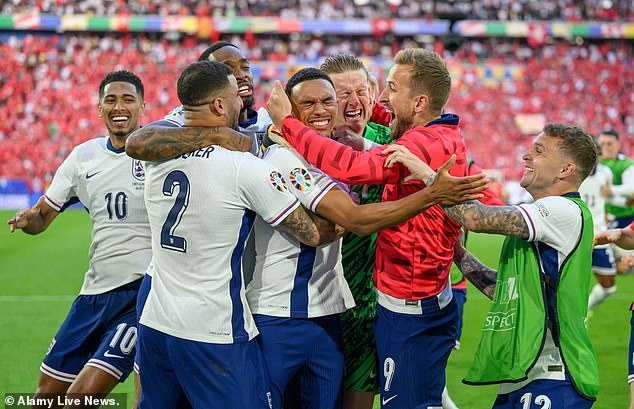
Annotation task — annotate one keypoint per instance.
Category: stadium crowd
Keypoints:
(569, 10)
(51, 101)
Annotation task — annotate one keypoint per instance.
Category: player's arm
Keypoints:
(481, 276)
(626, 188)
(370, 218)
(336, 160)
(163, 140)
(33, 220)
(309, 228)
(623, 238)
(473, 215)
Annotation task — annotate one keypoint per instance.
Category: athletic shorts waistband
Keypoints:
(416, 307)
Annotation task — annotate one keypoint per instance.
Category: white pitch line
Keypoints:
(37, 298)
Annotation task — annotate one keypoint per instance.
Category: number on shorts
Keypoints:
(542, 400)
(389, 366)
(128, 341)
(168, 239)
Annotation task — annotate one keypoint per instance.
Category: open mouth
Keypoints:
(354, 114)
(320, 123)
(119, 119)
(245, 90)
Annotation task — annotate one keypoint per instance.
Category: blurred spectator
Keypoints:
(569, 10)
(48, 103)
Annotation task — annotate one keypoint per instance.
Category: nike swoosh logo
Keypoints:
(107, 354)
(93, 174)
(386, 401)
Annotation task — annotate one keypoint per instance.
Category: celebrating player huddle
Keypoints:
(240, 235)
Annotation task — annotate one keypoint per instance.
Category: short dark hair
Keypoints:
(201, 81)
(214, 47)
(123, 76)
(340, 63)
(577, 144)
(306, 74)
(611, 132)
(429, 75)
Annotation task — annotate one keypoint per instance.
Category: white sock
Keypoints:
(599, 294)
(447, 403)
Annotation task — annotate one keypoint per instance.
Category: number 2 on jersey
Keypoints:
(169, 240)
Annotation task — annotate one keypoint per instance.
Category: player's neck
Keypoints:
(193, 118)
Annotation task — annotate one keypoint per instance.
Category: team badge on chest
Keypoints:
(137, 170)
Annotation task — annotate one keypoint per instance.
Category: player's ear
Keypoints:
(100, 110)
(142, 109)
(421, 103)
(568, 170)
(217, 107)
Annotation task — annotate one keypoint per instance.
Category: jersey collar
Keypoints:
(252, 119)
(112, 149)
(572, 195)
(445, 119)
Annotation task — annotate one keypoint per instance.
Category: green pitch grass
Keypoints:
(41, 275)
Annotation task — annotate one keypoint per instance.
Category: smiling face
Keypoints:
(353, 99)
(121, 107)
(610, 146)
(315, 104)
(241, 68)
(544, 164)
(397, 98)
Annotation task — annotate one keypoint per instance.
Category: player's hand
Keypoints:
(24, 216)
(450, 190)
(346, 136)
(419, 170)
(606, 191)
(607, 237)
(278, 105)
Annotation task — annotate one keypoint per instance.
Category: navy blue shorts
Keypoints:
(460, 295)
(543, 393)
(603, 261)
(100, 331)
(144, 291)
(177, 370)
(621, 222)
(309, 350)
(413, 352)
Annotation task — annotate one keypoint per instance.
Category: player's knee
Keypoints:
(46, 384)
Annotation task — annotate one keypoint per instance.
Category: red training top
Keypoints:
(413, 258)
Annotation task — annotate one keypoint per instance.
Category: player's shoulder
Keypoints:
(176, 116)
(264, 119)
(90, 148)
(278, 153)
(557, 206)
(603, 170)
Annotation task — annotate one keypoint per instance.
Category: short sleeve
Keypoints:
(176, 116)
(304, 181)
(555, 221)
(62, 191)
(265, 190)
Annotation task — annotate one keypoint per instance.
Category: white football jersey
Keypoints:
(292, 279)
(555, 227)
(110, 185)
(255, 127)
(590, 191)
(201, 207)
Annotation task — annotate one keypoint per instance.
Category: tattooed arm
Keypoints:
(478, 274)
(162, 140)
(310, 228)
(475, 216)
